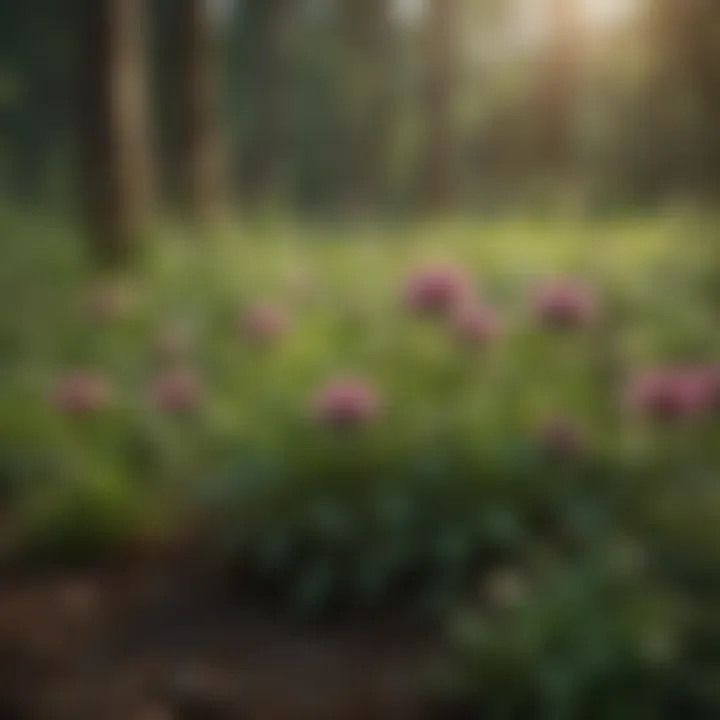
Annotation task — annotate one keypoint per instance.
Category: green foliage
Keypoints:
(576, 584)
(594, 638)
(617, 632)
(452, 473)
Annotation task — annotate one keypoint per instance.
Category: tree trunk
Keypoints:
(271, 22)
(692, 36)
(369, 108)
(559, 91)
(442, 39)
(117, 176)
(684, 39)
(201, 164)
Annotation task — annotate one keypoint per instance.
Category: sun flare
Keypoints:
(534, 21)
(607, 12)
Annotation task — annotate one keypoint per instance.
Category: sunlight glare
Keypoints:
(607, 12)
(534, 22)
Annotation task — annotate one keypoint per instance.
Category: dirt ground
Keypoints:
(148, 644)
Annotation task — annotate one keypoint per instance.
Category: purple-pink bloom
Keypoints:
(82, 393)
(264, 324)
(566, 304)
(437, 290)
(695, 385)
(704, 381)
(475, 324)
(177, 391)
(346, 403)
(711, 384)
(663, 394)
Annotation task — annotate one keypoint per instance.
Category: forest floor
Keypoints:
(143, 644)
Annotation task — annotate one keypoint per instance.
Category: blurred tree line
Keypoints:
(354, 106)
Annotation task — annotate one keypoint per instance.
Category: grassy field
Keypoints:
(337, 296)
(360, 415)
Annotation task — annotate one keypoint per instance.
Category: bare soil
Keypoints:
(153, 643)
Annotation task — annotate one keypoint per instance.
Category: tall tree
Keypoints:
(262, 60)
(558, 89)
(114, 134)
(35, 106)
(442, 23)
(367, 32)
(200, 148)
(686, 36)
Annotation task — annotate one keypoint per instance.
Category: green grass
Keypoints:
(448, 486)
(458, 433)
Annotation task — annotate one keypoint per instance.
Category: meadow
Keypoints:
(501, 425)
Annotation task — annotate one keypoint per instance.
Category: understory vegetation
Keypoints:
(512, 426)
